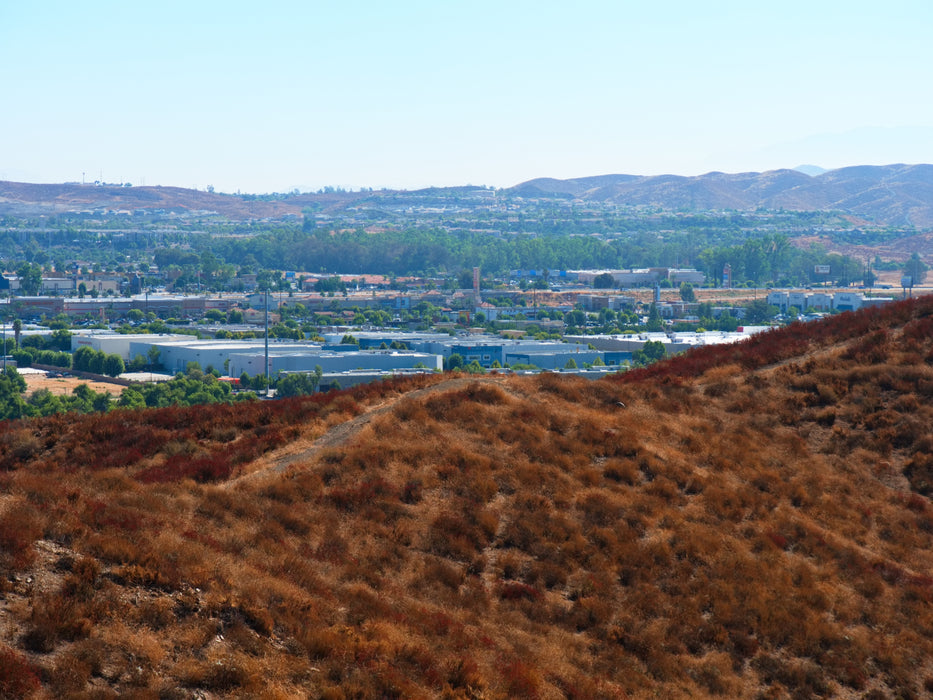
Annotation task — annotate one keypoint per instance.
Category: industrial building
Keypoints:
(673, 342)
(282, 361)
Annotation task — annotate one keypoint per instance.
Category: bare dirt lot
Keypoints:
(66, 385)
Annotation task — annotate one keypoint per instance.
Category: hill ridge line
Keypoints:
(341, 433)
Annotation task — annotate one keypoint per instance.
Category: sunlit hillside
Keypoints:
(743, 521)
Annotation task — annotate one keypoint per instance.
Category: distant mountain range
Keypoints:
(896, 195)
(890, 195)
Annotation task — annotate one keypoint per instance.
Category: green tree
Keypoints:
(101, 401)
(81, 361)
(651, 351)
(299, 383)
(83, 398)
(131, 398)
(604, 281)
(153, 354)
(687, 293)
(654, 319)
(12, 386)
(96, 364)
(916, 269)
(43, 402)
(59, 340)
(113, 365)
(30, 278)
(760, 311)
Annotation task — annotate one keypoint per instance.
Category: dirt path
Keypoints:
(298, 451)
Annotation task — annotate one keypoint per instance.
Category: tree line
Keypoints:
(758, 260)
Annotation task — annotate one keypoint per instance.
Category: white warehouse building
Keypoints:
(119, 343)
(283, 360)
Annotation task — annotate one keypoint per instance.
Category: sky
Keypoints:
(272, 96)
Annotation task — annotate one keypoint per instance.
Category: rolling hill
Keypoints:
(742, 521)
(896, 195)
(891, 195)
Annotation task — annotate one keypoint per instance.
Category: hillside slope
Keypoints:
(891, 195)
(743, 521)
(895, 195)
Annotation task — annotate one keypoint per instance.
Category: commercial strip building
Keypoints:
(839, 301)
(644, 277)
(163, 305)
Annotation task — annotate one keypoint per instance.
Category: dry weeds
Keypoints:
(729, 532)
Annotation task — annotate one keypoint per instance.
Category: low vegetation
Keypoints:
(744, 521)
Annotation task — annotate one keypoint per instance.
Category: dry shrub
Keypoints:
(56, 617)
(223, 433)
(18, 677)
(42, 489)
(70, 675)
(803, 678)
(547, 572)
(598, 509)
(319, 642)
(156, 613)
(231, 672)
(290, 518)
(621, 471)
(20, 526)
(588, 613)
(718, 389)
(410, 410)
(714, 673)
(83, 579)
(519, 679)
(515, 590)
(18, 446)
(464, 673)
(459, 535)
(444, 573)
(484, 393)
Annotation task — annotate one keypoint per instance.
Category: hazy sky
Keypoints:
(268, 96)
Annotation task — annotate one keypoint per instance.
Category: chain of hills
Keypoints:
(747, 521)
(890, 195)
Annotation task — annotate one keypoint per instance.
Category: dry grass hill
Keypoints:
(888, 195)
(895, 195)
(745, 521)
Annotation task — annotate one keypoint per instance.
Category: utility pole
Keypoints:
(266, 304)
